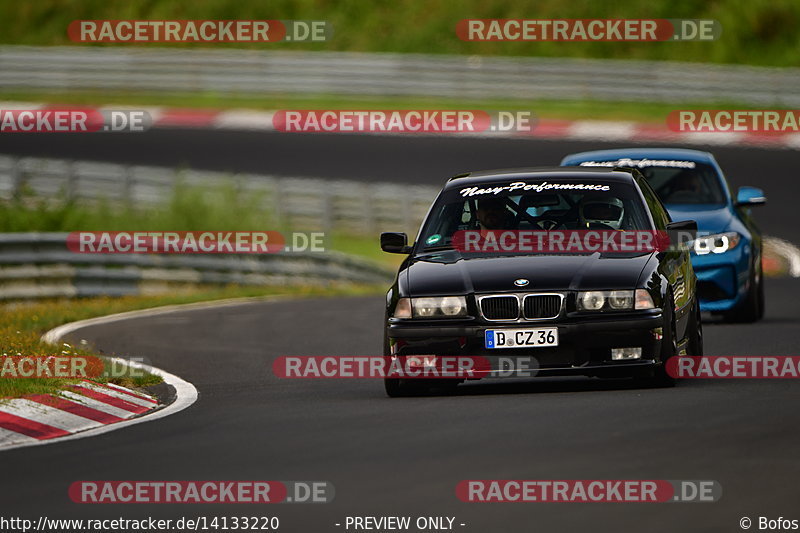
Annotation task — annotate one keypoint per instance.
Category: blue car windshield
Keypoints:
(690, 183)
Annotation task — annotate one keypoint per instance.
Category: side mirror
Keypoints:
(395, 243)
(683, 232)
(750, 197)
(683, 225)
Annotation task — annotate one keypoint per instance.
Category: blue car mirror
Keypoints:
(750, 196)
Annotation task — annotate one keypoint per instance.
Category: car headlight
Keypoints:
(453, 305)
(616, 300)
(620, 299)
(718, 243)
(431, 307)
(591, 300)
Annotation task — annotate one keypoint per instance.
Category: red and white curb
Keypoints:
(88, 405)
(781, 256)
(579, 130)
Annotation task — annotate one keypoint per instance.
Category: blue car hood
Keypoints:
(709, 218)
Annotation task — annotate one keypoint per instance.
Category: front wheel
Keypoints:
(695, 332)
(752, 308)
(403, 388)
(669, 347)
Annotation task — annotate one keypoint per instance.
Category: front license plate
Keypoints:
(521, 338)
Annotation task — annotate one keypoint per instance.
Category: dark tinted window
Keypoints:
(606, 206)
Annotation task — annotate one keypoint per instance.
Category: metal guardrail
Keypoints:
(300, 203)
(39, 265)
(227, 71)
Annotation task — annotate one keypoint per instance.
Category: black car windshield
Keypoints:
(540, 206)
(676, 182)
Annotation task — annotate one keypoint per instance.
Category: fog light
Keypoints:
(623, 354)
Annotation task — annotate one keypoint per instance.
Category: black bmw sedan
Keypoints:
(543, 272)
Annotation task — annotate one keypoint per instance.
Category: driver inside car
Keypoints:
(601, 213)
(684, 188)
(492, 214)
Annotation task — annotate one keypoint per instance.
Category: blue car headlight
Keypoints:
(718, 243)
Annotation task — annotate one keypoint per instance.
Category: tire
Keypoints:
(669, 347)
(752, 308)
(695, 334)
(403, 388)
(761, 306)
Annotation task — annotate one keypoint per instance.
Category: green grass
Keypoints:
(651, 112)
(758, 32)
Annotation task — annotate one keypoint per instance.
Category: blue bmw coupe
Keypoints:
(726, 255)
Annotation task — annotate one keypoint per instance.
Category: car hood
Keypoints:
(709, 218)
(452, 273)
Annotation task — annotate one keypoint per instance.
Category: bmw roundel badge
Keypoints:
(521, 282)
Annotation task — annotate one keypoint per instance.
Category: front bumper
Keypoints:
(584, 344)
(723, 279)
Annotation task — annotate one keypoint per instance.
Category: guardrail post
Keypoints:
(71, 181)
(127, 185)
(369, 208)
(328, 219)
(277, 201)
(406, 207)
(16, 179)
